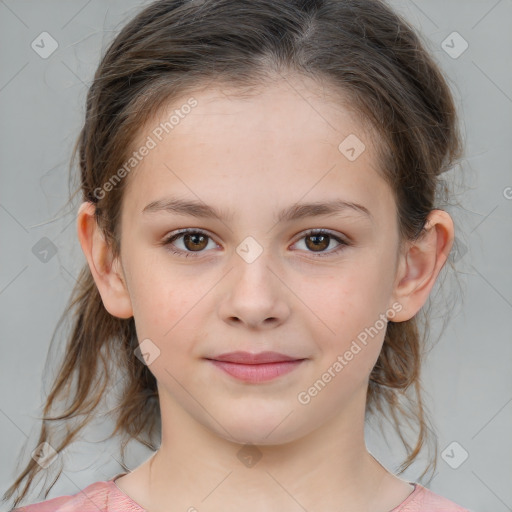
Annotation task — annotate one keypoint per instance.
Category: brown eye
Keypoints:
(195, 242)
(317, 242)
(191, 241)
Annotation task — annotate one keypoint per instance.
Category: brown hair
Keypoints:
(360, 48)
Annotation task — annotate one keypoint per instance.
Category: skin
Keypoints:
(253, 157)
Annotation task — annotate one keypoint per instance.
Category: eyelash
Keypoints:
(316, 232)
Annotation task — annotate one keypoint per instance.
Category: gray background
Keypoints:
(467, 376)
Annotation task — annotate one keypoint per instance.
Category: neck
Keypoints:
(197, 468)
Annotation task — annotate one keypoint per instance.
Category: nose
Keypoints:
(254, 295)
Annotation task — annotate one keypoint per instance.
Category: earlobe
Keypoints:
(104, 269)
(421, 262)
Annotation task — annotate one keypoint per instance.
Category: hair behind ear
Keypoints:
(389, 390)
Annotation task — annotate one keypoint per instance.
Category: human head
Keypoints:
(358, 50)
(238, 153)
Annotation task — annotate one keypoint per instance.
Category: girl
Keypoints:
(259, 218)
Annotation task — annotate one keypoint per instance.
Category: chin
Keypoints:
(276, 428)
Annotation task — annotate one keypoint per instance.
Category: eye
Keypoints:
(319, 239)
(196, 240)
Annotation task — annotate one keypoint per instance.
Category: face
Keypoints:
(267, 274)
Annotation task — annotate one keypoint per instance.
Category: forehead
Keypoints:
(297, 108)
(290, 136)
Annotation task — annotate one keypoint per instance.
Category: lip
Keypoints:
(248, 358)
(255, 368)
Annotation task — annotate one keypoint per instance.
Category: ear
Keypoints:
(105, 270)
(420, 264)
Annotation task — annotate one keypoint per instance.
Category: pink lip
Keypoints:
(248, 358)
(256, 367)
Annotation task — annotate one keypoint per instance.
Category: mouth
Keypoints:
(259, 367)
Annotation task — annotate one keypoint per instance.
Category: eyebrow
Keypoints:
(201, 210)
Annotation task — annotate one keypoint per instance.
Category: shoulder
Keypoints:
(102, 496)
(422, 499)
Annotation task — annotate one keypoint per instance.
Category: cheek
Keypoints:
(159, 296)
(170, 305)
(350, 295)
(166, 304)
(347, 311)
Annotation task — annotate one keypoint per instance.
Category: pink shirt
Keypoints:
(105, 496)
